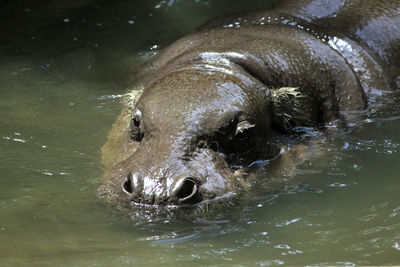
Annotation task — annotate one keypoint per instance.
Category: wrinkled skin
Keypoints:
(207, 107)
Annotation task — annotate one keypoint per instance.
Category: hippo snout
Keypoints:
(185, 190)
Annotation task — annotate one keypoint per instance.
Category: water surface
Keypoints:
(65, 65)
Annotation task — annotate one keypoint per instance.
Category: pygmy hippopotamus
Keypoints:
(210, 104)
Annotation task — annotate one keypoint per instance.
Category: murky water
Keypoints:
(63, 68)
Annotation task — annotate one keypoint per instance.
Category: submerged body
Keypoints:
(209, 105)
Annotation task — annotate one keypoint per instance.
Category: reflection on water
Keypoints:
(65, 65)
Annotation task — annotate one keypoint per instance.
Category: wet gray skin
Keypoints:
(207, 108)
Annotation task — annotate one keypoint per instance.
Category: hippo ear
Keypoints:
(286, 106)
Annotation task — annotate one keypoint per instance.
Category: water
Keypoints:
(63, 68)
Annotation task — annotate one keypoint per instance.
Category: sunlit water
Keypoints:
(63, 68)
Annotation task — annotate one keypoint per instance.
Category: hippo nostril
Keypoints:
(187, 190)
(127, 185)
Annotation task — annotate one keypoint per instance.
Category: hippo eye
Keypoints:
(135, 132)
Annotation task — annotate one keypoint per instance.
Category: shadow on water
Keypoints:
(64, 67)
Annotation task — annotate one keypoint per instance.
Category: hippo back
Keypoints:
(363, 33)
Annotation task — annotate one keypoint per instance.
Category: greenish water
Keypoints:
(63, 68)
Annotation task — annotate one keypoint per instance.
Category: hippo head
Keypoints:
(190, 135)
